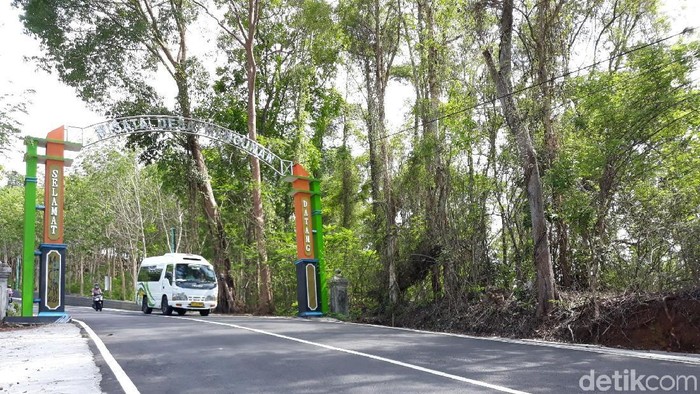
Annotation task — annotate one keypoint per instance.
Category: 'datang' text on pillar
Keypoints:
(309, 295)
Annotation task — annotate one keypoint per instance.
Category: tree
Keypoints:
(241, 26)
(343, 187)
(108, 51)
(504, 88)
(117, 212)
(431, 29)
(633, 132)
(11, 223)
(373, 31)
(10, 106)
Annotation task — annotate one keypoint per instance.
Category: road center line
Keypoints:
(123, 379)
(366, 355)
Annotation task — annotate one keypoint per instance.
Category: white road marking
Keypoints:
(123, 379)
(367, 355)
(647, 355)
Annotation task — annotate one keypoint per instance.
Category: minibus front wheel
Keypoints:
(165, 308)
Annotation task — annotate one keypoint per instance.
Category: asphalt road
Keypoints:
(239, 354)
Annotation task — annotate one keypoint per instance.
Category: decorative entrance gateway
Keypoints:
(311, 286)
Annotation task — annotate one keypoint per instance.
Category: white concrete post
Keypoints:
(339, 294)
(5, 272)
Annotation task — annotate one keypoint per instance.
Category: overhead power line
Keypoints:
(687, 30)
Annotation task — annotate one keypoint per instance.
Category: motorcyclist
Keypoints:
(95, 292)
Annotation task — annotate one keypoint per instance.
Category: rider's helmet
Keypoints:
(97, 285)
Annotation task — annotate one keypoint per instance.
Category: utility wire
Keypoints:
(622, 82)
(653, 112)
(687, 30)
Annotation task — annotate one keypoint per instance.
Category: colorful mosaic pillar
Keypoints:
(52, 269)
(310, 271)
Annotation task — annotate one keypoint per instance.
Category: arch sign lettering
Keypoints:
(311, 285)
(164, 123)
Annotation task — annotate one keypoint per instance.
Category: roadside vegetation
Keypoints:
(543, 181)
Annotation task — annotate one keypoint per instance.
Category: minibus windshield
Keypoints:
(195, 276)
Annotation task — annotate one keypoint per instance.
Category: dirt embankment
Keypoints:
(669, 322)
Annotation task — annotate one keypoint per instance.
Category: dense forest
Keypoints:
(547, 148)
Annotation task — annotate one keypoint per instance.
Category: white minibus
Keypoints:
(176, 282)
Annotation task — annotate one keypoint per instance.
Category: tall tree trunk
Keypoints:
(122, 275)
(134, 272)
(606, 187)
(383, 58)
(547, 20)
(265, 305)
(380, 167)
(528, 156)
(389, 202)
(81, 275)
(112, 262)
(226, 298)
(347, 194)
(436, 194)
(176, 65)
(416, 78)
(375, 46)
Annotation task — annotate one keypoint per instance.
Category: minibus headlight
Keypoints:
(211, 297)
(179, 297)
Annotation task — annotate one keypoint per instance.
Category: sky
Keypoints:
(53, 104)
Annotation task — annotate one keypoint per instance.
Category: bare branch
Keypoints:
(219, 22)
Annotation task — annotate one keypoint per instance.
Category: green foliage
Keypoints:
(86, 45)
(341, 190)
(347, 252)
(116, 214)
(622, 188)
(11, 106)
(105, 49)
(629, 143)
(11, 221)
(402, 72)
(282, 245)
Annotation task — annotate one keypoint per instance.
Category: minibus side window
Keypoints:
(154, 273)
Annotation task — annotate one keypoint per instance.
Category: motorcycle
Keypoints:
(97, 302)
